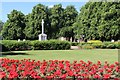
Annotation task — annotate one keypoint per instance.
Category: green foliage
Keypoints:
(74, 43)
(13, 28)
(56, 20)
(111, 46)
(96, 21)
(35, 45)
(20, 26)
(70, 14)
(94, 41)
(50, 45)
(3, 48)
(1, 25)
(99, 20)
(87, 46)
(15, 45)
(66, 32)
(33, 22)
(99, 45)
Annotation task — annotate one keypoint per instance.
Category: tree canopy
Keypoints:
(96, 20)
(70, 14)
(14, 26)
(99, 20)
(33, 21)
(1, 25)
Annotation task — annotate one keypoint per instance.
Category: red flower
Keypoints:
(50, 77)
(63, 76)
(11, 68)
(97, 76)
(13, 74)
(70, 73)
(106, 76)
(99, 63)
(58, 72)
(117, 63)
(2, 74)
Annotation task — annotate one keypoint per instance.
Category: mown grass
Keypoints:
(110, 55)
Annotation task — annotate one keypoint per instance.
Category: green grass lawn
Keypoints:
(110, 55)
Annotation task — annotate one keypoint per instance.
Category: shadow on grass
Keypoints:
(3, 54)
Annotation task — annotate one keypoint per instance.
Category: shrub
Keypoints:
(74, 43)
(87, 46)
(36, 45)
(3, 48)
(97, 45)
(111, 46)
(94, 41)
(9, 44)
(53, 45)
(15, 45)
(104, 45)
(50, 45)
(117, 44)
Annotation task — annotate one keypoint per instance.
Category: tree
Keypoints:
(33, 21)
(70, 14)
(56, 20)
(1, 25)
(14, 26)
(67, 32)
(99, 20)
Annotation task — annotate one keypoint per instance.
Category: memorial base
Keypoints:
(42, 37)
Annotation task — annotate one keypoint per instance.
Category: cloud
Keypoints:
(50, 6)
(64, 7)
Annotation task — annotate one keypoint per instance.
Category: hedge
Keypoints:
(35, 45)
(13, 45)
(103, 45)
(50, 45)
(74, 43)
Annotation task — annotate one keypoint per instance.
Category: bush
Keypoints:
(3, 48)
(94, 41)
(104, 45)
(86, 46)
(99, 45)
(111, 46)
(117, 44)
(74, 43)
(35, 45)
(54, 45)
(50, 45)
(15, 45)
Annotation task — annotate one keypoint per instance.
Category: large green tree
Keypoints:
(70, 14)
(14, 26)
(56, 20)
(1, 25)
(99, 20)
(33, 21)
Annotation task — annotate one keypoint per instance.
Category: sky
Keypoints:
(26, 7)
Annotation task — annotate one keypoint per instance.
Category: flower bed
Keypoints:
(52, 69)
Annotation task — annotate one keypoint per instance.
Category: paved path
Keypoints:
(75, 47)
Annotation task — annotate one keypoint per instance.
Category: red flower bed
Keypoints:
(52, 69)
